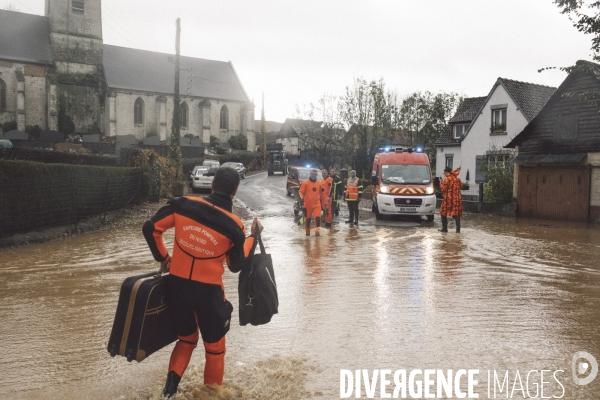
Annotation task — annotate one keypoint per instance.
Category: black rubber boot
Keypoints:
(444, 224)
(170, 390)
(457, 220)
(327, 224)
(351, 219)
(356, 217)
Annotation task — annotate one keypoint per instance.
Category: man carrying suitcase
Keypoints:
(206, 233)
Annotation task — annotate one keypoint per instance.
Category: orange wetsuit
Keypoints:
(310, 193)
(206, 234)
(326, 190)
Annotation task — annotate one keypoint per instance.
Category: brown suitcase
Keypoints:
(142, 322)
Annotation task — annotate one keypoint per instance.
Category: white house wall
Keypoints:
(290, 145)
(440, 162)
(479, 140)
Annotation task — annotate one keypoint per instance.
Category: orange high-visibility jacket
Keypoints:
(310, 192)
(206, 233)
(352, 190)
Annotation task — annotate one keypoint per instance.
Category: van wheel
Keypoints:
(377, 214)
(430, 218)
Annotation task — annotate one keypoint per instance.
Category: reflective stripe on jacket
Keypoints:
(352, 190)
(336, 189)
(205, 235)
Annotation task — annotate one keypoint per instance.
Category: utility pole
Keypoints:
(262, 129)
(175, 149)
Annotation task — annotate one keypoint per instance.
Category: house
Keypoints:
(271, 131)
(557, 155)
(295, 132)
(391, 138)
(56, 72)
(482, 126)
(448, 145)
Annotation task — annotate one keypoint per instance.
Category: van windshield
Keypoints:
(305, 174)
(414, 174)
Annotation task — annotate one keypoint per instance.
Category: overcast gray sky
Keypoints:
(295, 51)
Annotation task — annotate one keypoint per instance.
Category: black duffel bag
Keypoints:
(257, 289)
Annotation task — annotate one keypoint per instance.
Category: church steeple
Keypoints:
(77, 49)
(75, 30)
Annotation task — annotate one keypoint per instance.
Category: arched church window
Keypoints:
(184, 114)
(2, 94)
(138, 112)
(224, 118)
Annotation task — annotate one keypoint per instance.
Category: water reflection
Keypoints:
(502, 295)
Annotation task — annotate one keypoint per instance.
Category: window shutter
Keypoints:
(479, 174)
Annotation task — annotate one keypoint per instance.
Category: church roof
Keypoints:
(148, 71)
(24, 38)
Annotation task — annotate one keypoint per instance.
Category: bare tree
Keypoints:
(11, 7)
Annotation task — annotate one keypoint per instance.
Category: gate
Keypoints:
(554, 192)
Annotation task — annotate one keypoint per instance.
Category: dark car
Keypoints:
(297, 175)
(239, 167)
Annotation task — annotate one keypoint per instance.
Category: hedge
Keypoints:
(36, 195)
(51, 156)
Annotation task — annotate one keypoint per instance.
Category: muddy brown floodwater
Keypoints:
(504, 295)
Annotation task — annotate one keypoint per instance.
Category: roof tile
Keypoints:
(529, 96)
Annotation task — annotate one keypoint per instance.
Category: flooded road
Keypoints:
(505, 294)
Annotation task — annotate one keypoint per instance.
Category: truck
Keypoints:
(402, 184)
(276, 161)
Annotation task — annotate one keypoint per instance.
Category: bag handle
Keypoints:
(260, 243)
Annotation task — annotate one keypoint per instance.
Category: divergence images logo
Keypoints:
(582, 362)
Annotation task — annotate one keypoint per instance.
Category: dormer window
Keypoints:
(459, 130)
(77, 6)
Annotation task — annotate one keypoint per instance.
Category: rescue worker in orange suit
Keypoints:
(310, 194)
(326, 186)
(352, 196)
(336, 190)
(206, 234)
(452, 204)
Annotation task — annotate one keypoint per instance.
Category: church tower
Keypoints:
(77, 47)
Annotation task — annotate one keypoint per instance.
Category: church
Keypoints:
(56, 72)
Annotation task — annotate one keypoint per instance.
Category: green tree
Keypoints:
(239, 142)
(424, 115)
(499, 172)
(585, 16)
(214, 141)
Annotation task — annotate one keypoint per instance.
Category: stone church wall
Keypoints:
(155, 124)
(34, 97)
(7, 74)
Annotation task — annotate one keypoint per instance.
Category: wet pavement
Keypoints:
(505, 294)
